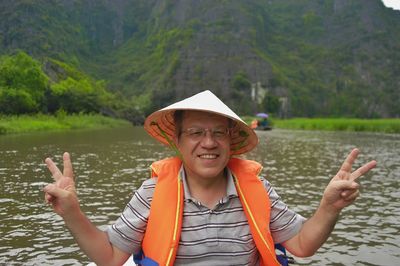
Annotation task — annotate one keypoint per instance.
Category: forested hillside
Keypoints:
(295, 57)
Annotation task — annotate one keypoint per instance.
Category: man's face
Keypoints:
(204, 144)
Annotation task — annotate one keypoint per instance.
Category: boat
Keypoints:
(261, 122)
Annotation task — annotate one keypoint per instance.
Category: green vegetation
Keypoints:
(59, 122)
(341, 124)
(27, 87)
(22, 85)
(241, 88)
(326, 73)
(129, 58)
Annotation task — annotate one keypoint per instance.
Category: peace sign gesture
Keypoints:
(61, 194)
(342, 190)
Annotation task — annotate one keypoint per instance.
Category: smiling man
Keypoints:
(205, 206)
(204, 144)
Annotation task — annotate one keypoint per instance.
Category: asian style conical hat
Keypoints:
(161, 126)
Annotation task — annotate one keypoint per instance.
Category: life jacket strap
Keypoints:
(282, 257)
(141, 260)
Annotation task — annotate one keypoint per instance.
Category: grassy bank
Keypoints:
(26, 123)
(341, 124)
(337, 124)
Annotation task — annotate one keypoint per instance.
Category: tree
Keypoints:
(270, 104)
(13, 101)
(241, 93)
(22, 84)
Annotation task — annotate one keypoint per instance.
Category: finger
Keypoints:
(68, 170)
(345, 193)
(343, 175)
(351, 195)
(56, 173)
(48, 198)
(343, 186)
(362, 170)
(348, 163)
(54, 191)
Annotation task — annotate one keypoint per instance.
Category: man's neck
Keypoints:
(208, 191)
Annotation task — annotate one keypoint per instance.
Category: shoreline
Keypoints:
(382, 125)
(41, 123)
(45, 123)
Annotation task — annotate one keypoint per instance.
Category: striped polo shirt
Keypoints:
(218, 236)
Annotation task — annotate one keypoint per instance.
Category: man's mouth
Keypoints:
(208, 156)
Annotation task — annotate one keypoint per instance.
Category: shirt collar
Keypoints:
(230, 187)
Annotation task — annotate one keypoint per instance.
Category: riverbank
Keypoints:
(61, 122)
(389, 125)
(341, 124)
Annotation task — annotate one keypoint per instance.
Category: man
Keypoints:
(204, 207)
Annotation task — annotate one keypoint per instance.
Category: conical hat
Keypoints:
(161, 126)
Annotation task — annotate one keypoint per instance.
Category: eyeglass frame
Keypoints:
(178, 120)
(198, 133)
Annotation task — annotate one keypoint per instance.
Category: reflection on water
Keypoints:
(110, 164)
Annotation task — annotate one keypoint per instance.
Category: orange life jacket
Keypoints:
(161, 239)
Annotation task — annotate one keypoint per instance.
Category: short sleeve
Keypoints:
(284, 222)
(128, 230)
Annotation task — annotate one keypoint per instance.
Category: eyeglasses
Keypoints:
(197, 133)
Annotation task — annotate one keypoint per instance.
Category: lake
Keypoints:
(111, 164)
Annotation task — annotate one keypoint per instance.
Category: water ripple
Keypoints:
(298, 163)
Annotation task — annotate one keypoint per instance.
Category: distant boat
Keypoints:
(260, 125)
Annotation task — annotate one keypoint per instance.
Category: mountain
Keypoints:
(297, 57)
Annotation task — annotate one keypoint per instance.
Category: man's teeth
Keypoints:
(208, 156)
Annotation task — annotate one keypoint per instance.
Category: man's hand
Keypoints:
(342, 190)
(62, 194)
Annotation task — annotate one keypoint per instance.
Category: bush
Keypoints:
(13, 101)
(22, 84)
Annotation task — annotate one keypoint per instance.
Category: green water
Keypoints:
(110, 164)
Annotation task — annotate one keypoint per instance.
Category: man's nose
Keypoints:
(208, 139)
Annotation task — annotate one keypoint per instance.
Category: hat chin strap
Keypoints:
(243, 143)
(171, 143)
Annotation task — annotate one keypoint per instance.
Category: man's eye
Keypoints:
(196, 132)
(219, 133)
